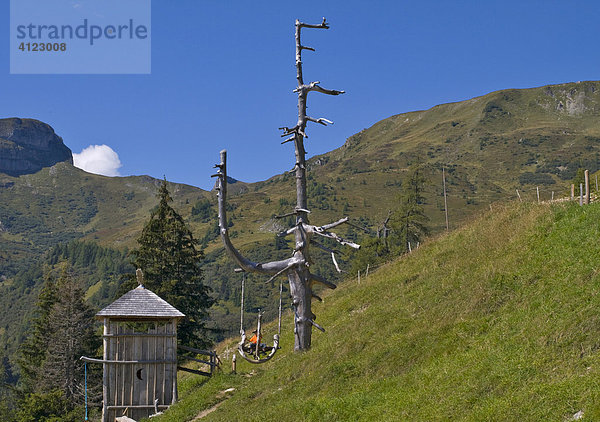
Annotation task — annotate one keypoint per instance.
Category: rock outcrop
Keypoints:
(28, 145)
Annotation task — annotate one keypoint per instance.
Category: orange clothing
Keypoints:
(253, 339)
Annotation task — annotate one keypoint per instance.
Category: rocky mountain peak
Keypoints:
(28, 145)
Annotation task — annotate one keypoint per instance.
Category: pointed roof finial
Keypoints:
(140, 277)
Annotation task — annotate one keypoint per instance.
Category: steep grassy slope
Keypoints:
(496, 321)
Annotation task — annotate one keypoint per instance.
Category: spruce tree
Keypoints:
(579, 180)
(52, 374)
(7, 396)
(410, 221)
(32, 352)
(71, 335)
(167, 254)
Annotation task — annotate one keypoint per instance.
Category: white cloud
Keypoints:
(98, 159)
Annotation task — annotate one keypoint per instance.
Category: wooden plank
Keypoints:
(139, 335)
(198, 351)
(193, 371)
(117, 396)
(154, 367)
(146, 348)
(105, 375)
(110, 368)
(142, 388)
(198, 360)
(162, 354)
(130, 375)
(174, 367)
(135, 382)
(121, 369)
(168, 368)
(126, 362)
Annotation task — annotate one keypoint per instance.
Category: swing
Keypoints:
(257, 352)
(86, 390)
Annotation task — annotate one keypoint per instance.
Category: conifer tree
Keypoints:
(7, 396)
(52, 374)
(32, 352)
(579, 180)
(410, 219)
(168, 256)
(71, 335)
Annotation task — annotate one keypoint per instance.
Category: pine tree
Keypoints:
(32, 352)
(7, 396)
(410, 221)
(71, 334)
(579, 180)
(168, 256)
(52, 374)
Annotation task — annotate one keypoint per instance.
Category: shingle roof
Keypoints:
(140, 303)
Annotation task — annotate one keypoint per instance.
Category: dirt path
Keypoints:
(221, 395)
(208, 411)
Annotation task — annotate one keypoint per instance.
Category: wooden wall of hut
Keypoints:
(140, 367)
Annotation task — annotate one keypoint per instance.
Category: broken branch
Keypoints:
(338, 239)
(287, 232)
(317, 326)
(337, 267)
(322, 25)
(320, 120)
(289, 267)
(314, 86)
(321, 280)
(330, 225)
(325, 248)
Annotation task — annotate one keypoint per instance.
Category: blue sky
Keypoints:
(223, 74)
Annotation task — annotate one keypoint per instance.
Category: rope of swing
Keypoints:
(242, 306)
(279, 323)
(86, 390)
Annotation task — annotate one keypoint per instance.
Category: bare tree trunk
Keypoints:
(297, 267)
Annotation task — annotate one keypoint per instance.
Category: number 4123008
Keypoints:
(34, 46)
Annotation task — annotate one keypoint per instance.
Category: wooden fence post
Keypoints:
(233, 364)
(537, 188)
(587, 187)
(580, 194)
(519, 195)
(572, 191)
(445, 199)
(358, 276)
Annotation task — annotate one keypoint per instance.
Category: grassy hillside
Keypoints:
(496, 321)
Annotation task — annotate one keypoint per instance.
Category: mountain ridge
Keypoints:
(28, 145)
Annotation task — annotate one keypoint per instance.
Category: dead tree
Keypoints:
(383, 230)
(297, 267)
